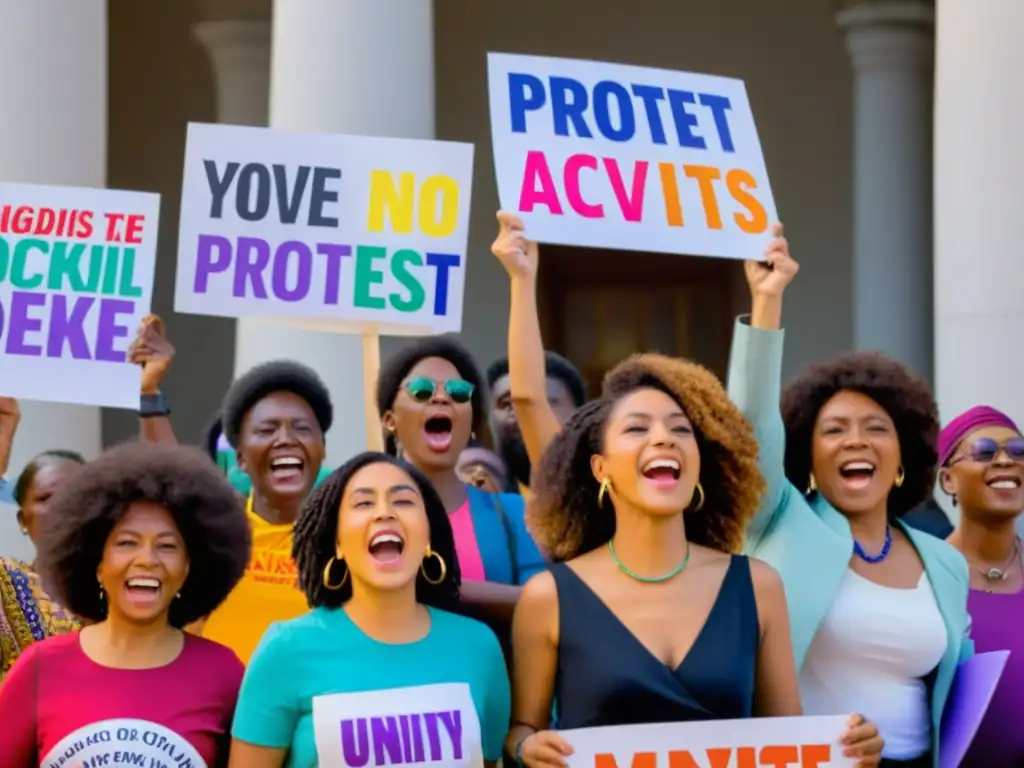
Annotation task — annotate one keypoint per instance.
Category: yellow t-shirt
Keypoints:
(267, 593)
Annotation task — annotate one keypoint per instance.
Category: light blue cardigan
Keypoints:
(809, 543)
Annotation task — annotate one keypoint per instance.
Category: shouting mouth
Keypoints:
(1004, 483)
(386, 549)
(664, 473)
(142, 590)
(287, 469)
(438, 433)
(857, 475)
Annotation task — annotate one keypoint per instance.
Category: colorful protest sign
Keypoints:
(796, 742)
(973, 688)
(76, 277)
(615, 156)
(123, 742)
(345, 232)
(435, 725)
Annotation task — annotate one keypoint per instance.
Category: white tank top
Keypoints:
(868, 657)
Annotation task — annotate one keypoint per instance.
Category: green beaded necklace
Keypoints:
(649, 579)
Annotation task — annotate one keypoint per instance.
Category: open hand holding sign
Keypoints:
(153, 352)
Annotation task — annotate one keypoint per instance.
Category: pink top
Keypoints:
(471, 563)
(60, 708)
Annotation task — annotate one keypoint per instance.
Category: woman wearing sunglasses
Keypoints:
(981, 453)
(432, 402)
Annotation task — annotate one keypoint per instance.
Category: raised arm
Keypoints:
(10, 417)
(153, 352)
(526, 368)
(755, 372)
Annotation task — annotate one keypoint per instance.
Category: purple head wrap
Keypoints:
(968, 421)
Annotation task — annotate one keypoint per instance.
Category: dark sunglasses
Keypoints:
(423, 389)
(985, 450)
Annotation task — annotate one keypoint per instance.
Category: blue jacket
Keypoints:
(6, 492)
(510, 556)
(809, 543)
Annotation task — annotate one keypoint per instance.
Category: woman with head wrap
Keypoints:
(981, 455)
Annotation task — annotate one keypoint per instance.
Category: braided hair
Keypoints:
(564, 515)
(316, 535)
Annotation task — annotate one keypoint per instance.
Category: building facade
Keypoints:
(901, 211)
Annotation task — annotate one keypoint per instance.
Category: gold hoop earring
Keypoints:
(440, 564)
(699, 490)
(812, 485)
(602, 491)
(327, 575)
(900, 477)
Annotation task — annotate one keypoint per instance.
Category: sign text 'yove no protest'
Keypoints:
(616, 156)
(76, 277)
(359, 231)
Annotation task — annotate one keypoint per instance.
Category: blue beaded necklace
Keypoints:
(858, 550)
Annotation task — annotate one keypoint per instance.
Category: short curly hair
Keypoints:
(267, 378)
(446, 347)
(564, 515)
(904, 395)
(180, 479)
(316, 535)
(555, 367)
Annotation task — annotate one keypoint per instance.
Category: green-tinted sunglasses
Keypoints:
(422, 389)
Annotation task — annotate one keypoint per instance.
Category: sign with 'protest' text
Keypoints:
(76, 278)
(632, 158)
(425, 725)
(347, 232)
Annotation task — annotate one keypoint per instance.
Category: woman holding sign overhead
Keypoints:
(139, 543)
(878, 610)
(649, 615)
(380, 672)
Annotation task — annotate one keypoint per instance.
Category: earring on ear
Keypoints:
(812, 485)
(953, 497)
(900, 477)
(602, 491)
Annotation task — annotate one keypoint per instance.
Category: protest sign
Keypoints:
(778, 742)
(339, 232)
(123, 743)
(616, 156)
(434, 725)
(76, 277)
(973, 688)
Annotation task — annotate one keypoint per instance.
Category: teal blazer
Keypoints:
(509, 553)
(809, 542)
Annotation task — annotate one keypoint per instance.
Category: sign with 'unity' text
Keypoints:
(427, 725)
(632, 158)
(76, 277)
(770, 742)
(347, 233)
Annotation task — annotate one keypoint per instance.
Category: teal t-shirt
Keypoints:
(325, 653)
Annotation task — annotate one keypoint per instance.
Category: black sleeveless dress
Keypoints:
(607, 677)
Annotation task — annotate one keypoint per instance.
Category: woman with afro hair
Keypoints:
(377, 562)
(139, 543)
(878, 610)
(649, 614)
(432, 400)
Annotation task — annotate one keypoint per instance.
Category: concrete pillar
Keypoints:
(891, 46)
(239, 51)
(53, 130)
(343, 66)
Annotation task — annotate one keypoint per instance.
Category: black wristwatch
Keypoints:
(154, 405)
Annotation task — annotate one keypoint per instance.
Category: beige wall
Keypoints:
(794, 64)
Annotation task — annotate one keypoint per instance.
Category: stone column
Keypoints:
(53, 130)
(979, 232)
(343, 66)
(240, 53)
(891, 45)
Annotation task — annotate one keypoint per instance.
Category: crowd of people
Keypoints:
(671, 550)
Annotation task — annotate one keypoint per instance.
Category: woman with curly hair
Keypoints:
(649, 614)
(432, 400)
(141, 542)
(28, 613)
(377, 562)
(878, 610)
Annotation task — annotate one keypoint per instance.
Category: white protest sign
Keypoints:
(347, 233)
(634, 158)
(435, 725)
(773, 742)
(126, 742)
(76, 277)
